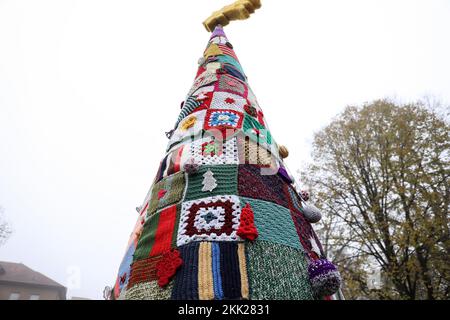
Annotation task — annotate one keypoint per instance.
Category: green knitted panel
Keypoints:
(277, 272)
(149, 291)
(274, 222)
(173, 186)
(147, 238)
(252, 123)
(226, 180)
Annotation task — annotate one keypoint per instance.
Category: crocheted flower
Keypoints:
(324, 276)
(167, 267)
(188, 123)
(247, 229)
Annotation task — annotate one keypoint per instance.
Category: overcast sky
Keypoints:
(88, 88)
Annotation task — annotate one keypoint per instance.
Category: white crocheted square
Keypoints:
(229, 101)
(209, 219)
(209, 151)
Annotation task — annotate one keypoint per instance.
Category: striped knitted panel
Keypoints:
(149, 291)
(186, 279)
(251, 152)
(274, 223)
(252, 184)
(158, 234)
(167, 192)
(143, 271)
(277, 272)
(220, 269)
(188, 107)
(226, 179)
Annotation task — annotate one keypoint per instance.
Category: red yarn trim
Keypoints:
(247, 229)
(167, 267)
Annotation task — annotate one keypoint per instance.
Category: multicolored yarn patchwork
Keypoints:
(212, 271)
(222, 219)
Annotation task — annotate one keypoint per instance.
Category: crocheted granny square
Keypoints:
(213, 270)
(266, 262)
(209, 219)
(225, 177)
(223, 119)
(273, 222)
(232, 85)
(228, 101)
(212, 151)
(166, 192)
(252, 184)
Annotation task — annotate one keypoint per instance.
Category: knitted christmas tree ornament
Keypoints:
(223, 219)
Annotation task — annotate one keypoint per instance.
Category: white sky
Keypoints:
(88, 88)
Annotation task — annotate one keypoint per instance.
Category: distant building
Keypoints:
(18, 282)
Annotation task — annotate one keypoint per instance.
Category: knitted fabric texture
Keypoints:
(212, 151)
(226, 179)
(274, 223)
(277, 272)
(173, 186)
(247, 229)
(252, 184)
(212, 270)
(148, 291)
(212, 218)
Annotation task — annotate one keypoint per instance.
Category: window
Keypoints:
(14, 296)
(34, 297)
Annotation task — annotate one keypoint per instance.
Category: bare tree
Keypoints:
(5, 228)
(381, 173)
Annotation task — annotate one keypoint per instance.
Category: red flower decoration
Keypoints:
(167, 267)
(247, 229)
(230, 100)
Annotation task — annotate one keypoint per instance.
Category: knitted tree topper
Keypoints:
(223, 218)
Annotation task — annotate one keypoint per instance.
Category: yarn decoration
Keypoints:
(324, 277)
(284, 152)
(304, 195)
(191, 166)
(167, 267)
(247, 228)
(311, 213)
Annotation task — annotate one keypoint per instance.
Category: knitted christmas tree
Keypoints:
(224, 218)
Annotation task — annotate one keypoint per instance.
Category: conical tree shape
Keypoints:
(222, 162)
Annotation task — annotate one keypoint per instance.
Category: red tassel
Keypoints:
(167, 267)
(247, 229)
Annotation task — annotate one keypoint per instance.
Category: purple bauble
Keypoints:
(324, 276)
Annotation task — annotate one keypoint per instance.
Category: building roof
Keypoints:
(20, 273)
